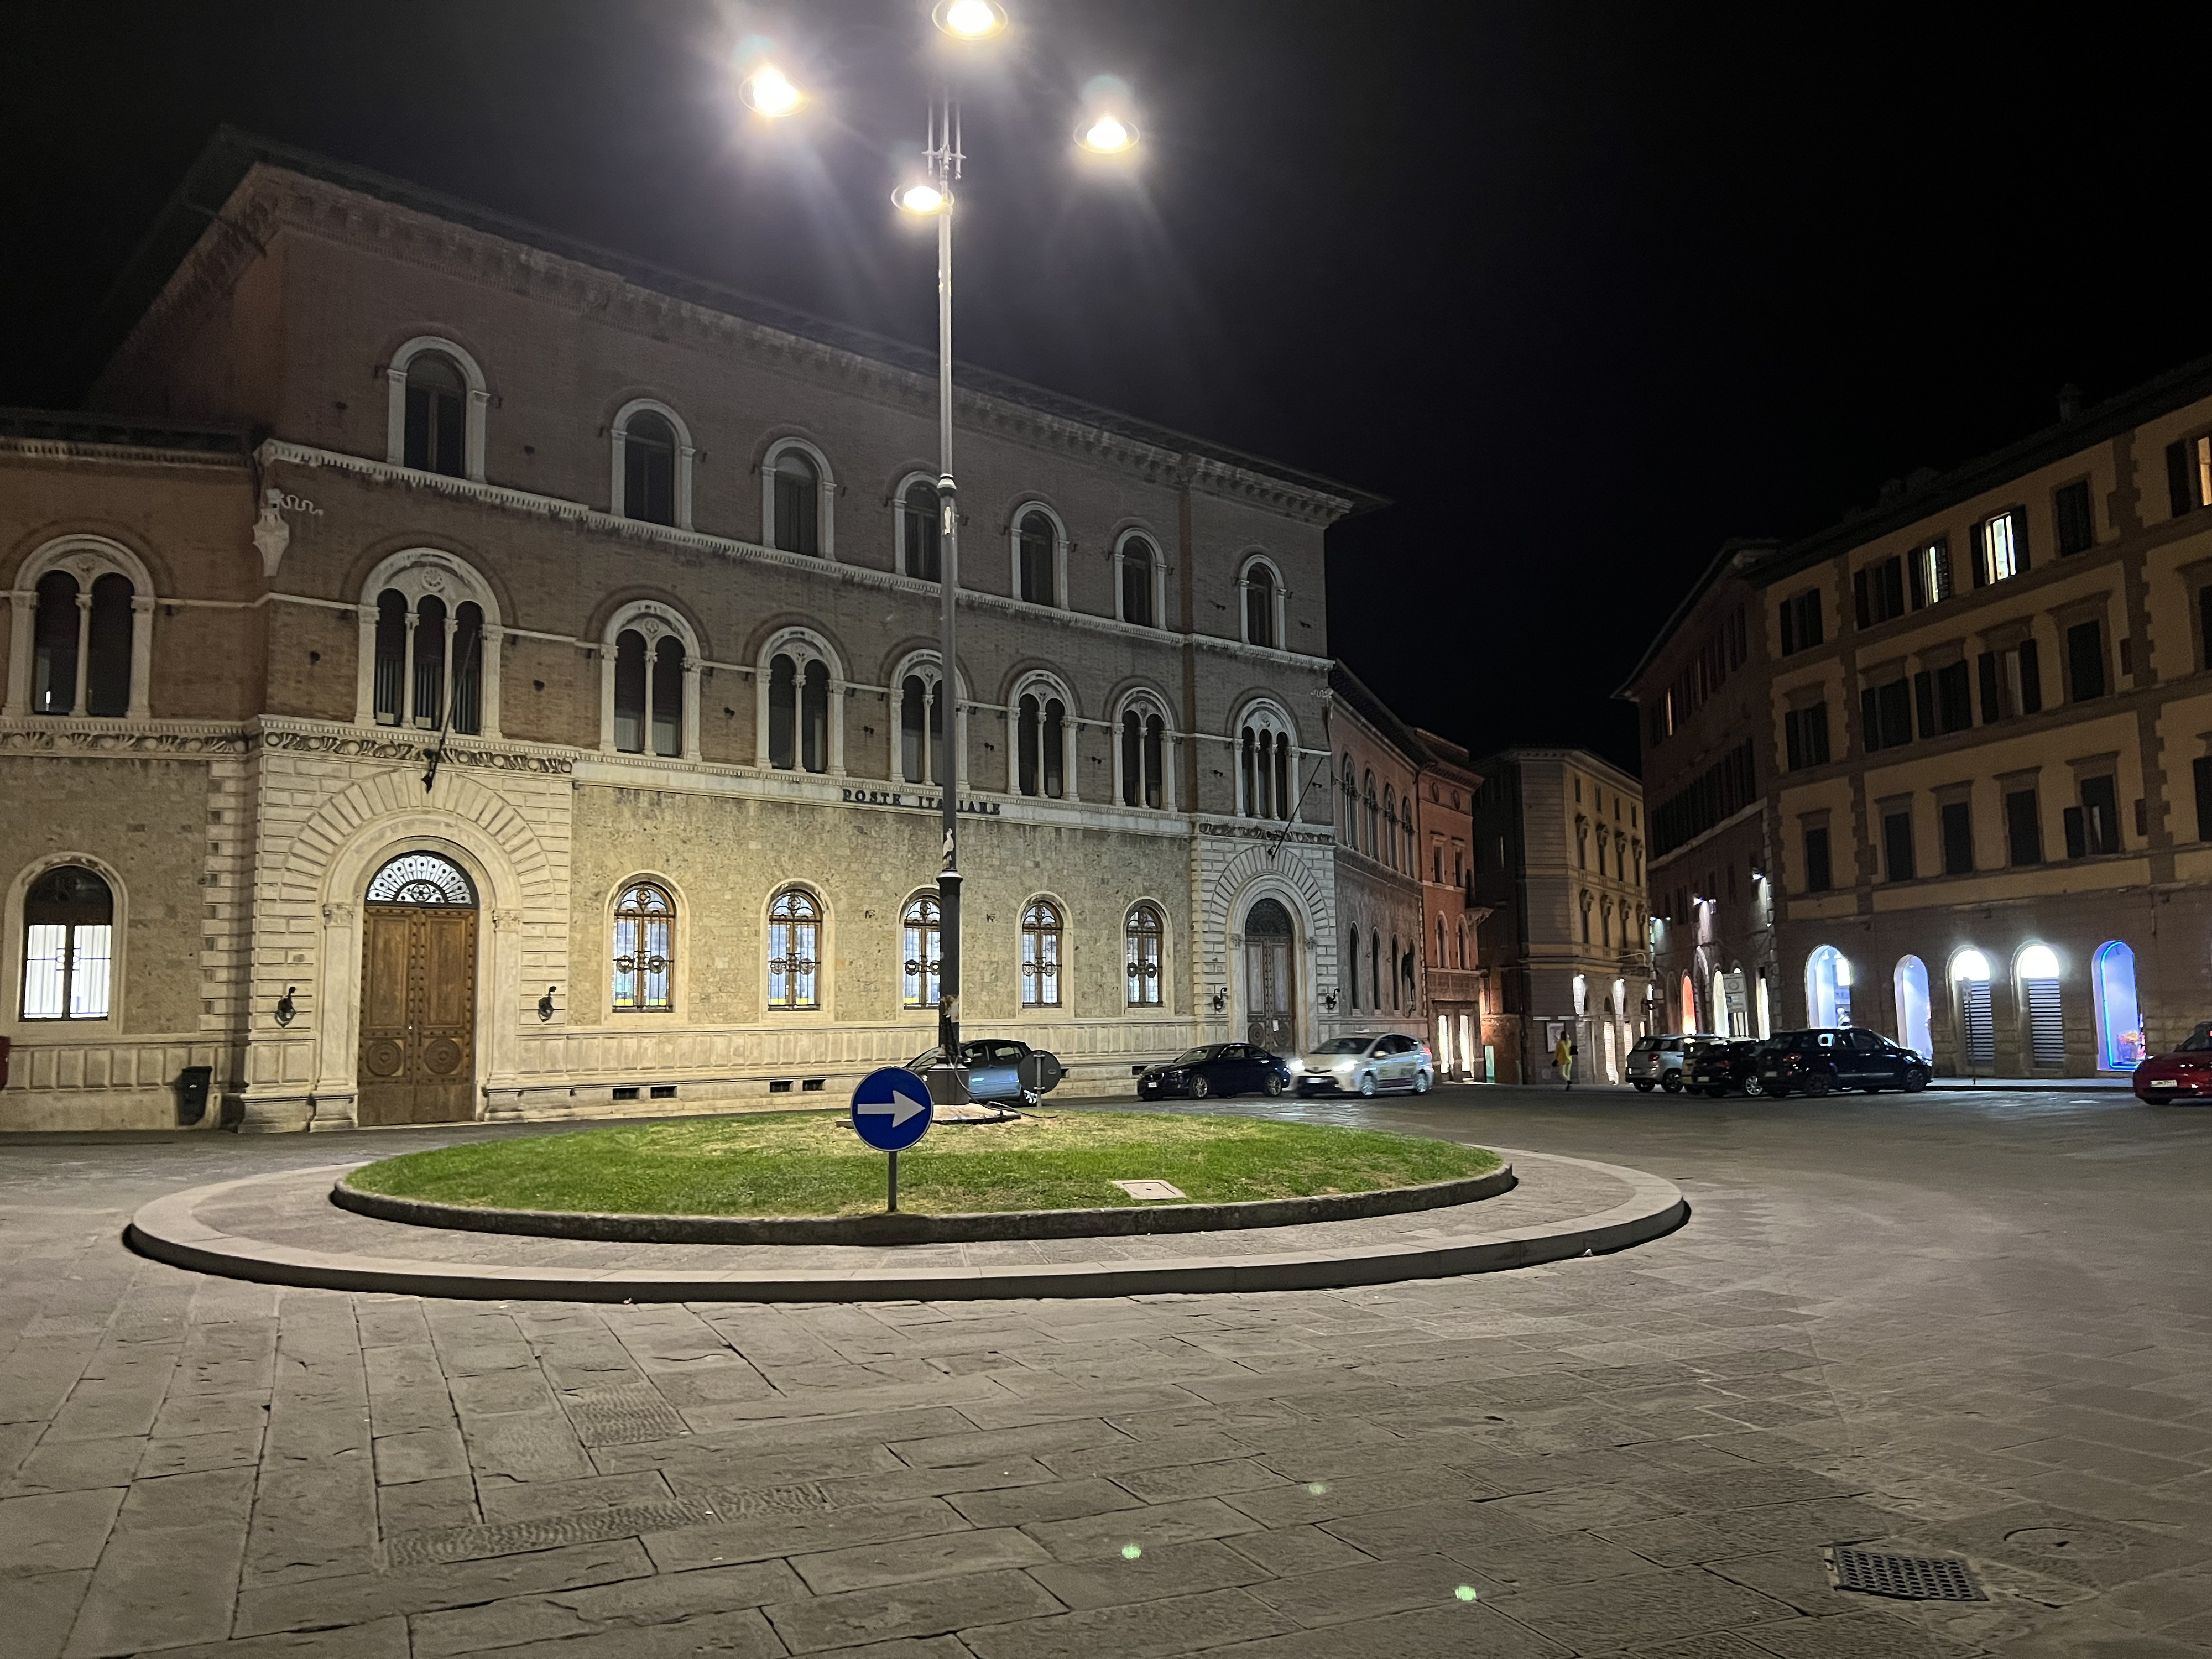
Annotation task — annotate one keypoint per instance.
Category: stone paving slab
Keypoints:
(282, 1228)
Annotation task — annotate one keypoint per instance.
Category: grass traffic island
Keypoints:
(812, 1164)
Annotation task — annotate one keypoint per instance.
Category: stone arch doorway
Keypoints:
(1270, 996)
(418, 1051)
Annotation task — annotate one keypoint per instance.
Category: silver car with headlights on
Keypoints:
(1367, 1065)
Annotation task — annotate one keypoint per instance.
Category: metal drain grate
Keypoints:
(1913, 1577)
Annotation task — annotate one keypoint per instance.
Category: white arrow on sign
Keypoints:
(900, 1108)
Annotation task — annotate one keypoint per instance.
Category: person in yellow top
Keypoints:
(1562, 1056)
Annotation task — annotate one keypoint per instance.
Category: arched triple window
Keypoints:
(799, 689)
(1141, 568)
(1265, 784)
(1827, 989)
(1041, 740)
(652, 460)
(1263, 594)
(921, 532)
(1040, 932)
(437, 399)
(921, 939)
(1037, 541)
(2038, 967)
(794, 949)
(2120, 1045)
(644, 961)
(429, 646)
(1144, 756)
(1141, 936)
(68, 930)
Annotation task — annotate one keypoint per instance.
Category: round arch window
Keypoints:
(422, 878)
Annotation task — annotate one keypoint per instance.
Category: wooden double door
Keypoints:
(1269, 1000)
(418, 1014)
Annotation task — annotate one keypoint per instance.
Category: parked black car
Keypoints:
(1814, 1062)
(1720, 1065)
(1218, 1068)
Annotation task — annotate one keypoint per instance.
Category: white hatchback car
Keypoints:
(1367, 1065)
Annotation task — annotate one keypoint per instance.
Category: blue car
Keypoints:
(1218, 1068)
(994, 1070)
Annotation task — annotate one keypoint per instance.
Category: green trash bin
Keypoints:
(192, 1093)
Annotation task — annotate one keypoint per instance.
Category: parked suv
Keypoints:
(1658, 1062)
(1814, 1062)
(1720, 1065)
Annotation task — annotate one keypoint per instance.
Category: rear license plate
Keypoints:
(2162, 1083)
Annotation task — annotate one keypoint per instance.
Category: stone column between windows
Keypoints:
(83, 647)
(407, 675)
(691, 680)
(142, 656)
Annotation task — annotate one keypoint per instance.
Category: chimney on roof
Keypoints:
(2070, 402)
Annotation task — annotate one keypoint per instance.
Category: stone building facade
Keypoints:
(1972, 780)
(1558, 870)
(483, 676)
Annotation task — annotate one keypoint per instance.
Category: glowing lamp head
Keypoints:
(971, 20)
(922, 198)
(1108, 135)
(768, 91)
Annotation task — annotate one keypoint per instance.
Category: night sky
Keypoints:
(1584, 290)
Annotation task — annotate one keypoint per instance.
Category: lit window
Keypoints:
(2001, 548)
(645, 949)
(1143, 940)
(794, 949)
(68, 919)
(1041, 955)
(923, 951)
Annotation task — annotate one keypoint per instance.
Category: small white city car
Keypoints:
(1366, 1065)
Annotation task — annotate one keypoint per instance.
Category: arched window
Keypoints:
(1041, 955)
(798, 713)
(422, 878)
(921, 532)
(797, 502)
(1374, 822)
(630, 677)
(1394, 975)
(1144, 756)
(1910, 985)
(1441, 959)
(1827, 988)
(1970, 985)
(1689, 1006)
(1142, 933)
(82, 645)
(645, 949)
(1036, 550)
(1265, 785)
(1138, 565)
(922, 728)
(794, 949)
(69, 925)
(428, 696)
(1375, 971)
(922, 941)
(649, 468)
(1041, 744)
(427, 643)
(1260, 600)
(1351, 969)
(2038, 967)
(437, 415)
(1348, 808)
(1390, 826)
(2120, 1045)
(648, 694)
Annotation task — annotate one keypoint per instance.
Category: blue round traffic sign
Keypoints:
(891, 1108)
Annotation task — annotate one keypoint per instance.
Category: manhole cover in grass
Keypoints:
(1911, 1577)
(1151, 1189)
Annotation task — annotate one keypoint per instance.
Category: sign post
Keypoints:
(891, 1110)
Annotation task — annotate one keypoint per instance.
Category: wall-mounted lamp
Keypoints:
(1328, 1001)
(286, 1013)
(546, 1004)
(1219, 1000)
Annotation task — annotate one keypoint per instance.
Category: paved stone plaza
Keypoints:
(1967, 1324)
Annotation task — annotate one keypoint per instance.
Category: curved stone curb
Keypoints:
(169, 1230)
(904, 1229)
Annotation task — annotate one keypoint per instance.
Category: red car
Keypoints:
(2184, 1074)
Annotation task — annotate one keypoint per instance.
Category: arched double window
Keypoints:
(1040, 933)
(1263, 599)
(798, 696)
(1144, 756)
(1140, 571)
(1041, 743)
(644, 961)
(68, 930)
(652, 460)
(921, 704)
(437, 399)
(81, 645)
(794, 949)
(921, 532)
(651, 687)
(922, 940)
(1265, 784)
(431, 654)
(1141, 936)
(1037, 541)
